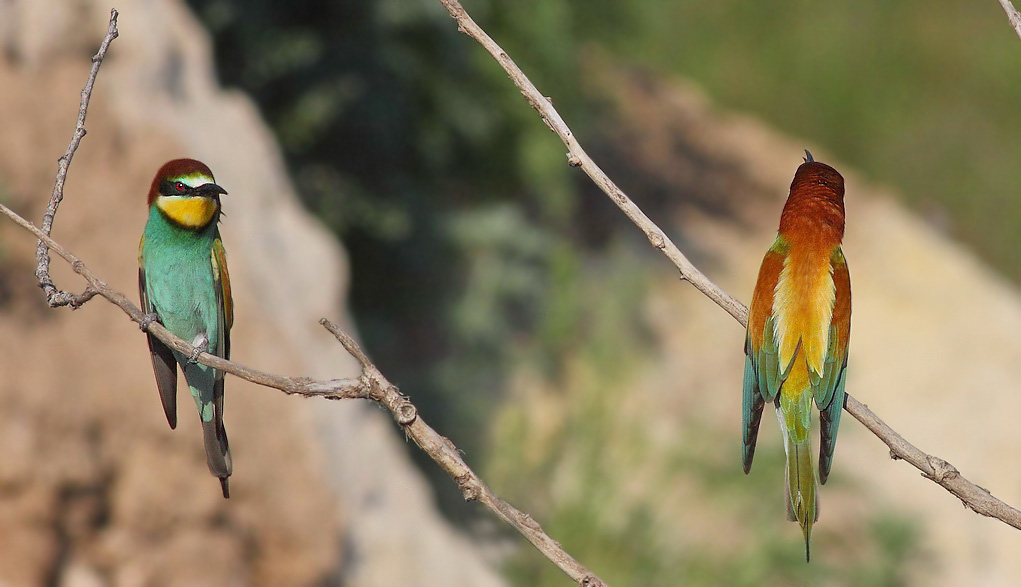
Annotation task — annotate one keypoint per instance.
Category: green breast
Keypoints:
(179, 276)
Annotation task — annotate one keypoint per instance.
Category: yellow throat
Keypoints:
(188, 211)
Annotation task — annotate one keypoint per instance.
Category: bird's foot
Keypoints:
(148, 320)
(201, 344)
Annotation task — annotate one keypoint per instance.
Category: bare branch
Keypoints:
(1012, 15)
(55, 297)
(976, 498)
(939, 471)
(448, 457)
(577, 157)
(371, 384)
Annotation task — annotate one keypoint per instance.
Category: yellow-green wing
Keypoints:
(224, 301)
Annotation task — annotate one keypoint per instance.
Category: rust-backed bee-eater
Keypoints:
(183, 283)
(798, 328)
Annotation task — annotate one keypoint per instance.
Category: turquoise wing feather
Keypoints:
(164, 365)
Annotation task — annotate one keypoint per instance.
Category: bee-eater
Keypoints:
(798, 328)
(183, 283)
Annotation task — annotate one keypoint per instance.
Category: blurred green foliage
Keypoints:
(474, 262)
(919, 94)
(452, 201)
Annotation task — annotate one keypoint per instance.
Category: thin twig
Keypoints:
(55, 297)
(448, 457)
(939, 471)
(976, 498)
(1012, 15)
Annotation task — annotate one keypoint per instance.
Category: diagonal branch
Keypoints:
(937, 470)
(370, 384)
(577, 157)
(55, 297)
(448, 457)
(1012, 15)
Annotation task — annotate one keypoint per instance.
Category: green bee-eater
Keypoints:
(799, 324)
(183, 283)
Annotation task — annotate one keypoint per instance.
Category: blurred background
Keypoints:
(383, 171)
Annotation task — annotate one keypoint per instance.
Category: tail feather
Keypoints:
(214, 436)
(799, 475)
(794, 411)
(207, 391)
(802, 506)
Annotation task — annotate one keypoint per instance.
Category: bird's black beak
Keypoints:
(210, 190)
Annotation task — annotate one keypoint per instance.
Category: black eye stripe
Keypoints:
(169, 188)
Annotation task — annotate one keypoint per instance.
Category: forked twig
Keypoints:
(54, 296)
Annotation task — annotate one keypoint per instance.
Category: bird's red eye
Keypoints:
(179, 186)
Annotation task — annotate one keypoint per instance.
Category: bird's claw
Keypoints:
(201, 347)
(148, 320)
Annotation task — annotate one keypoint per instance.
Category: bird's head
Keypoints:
(816, 200)
(185, 192)
(818, 178)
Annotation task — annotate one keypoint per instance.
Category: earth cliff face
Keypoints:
(95, 483)
(94, 487)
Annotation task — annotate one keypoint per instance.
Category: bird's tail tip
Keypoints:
(217, 453)
(802, 505)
